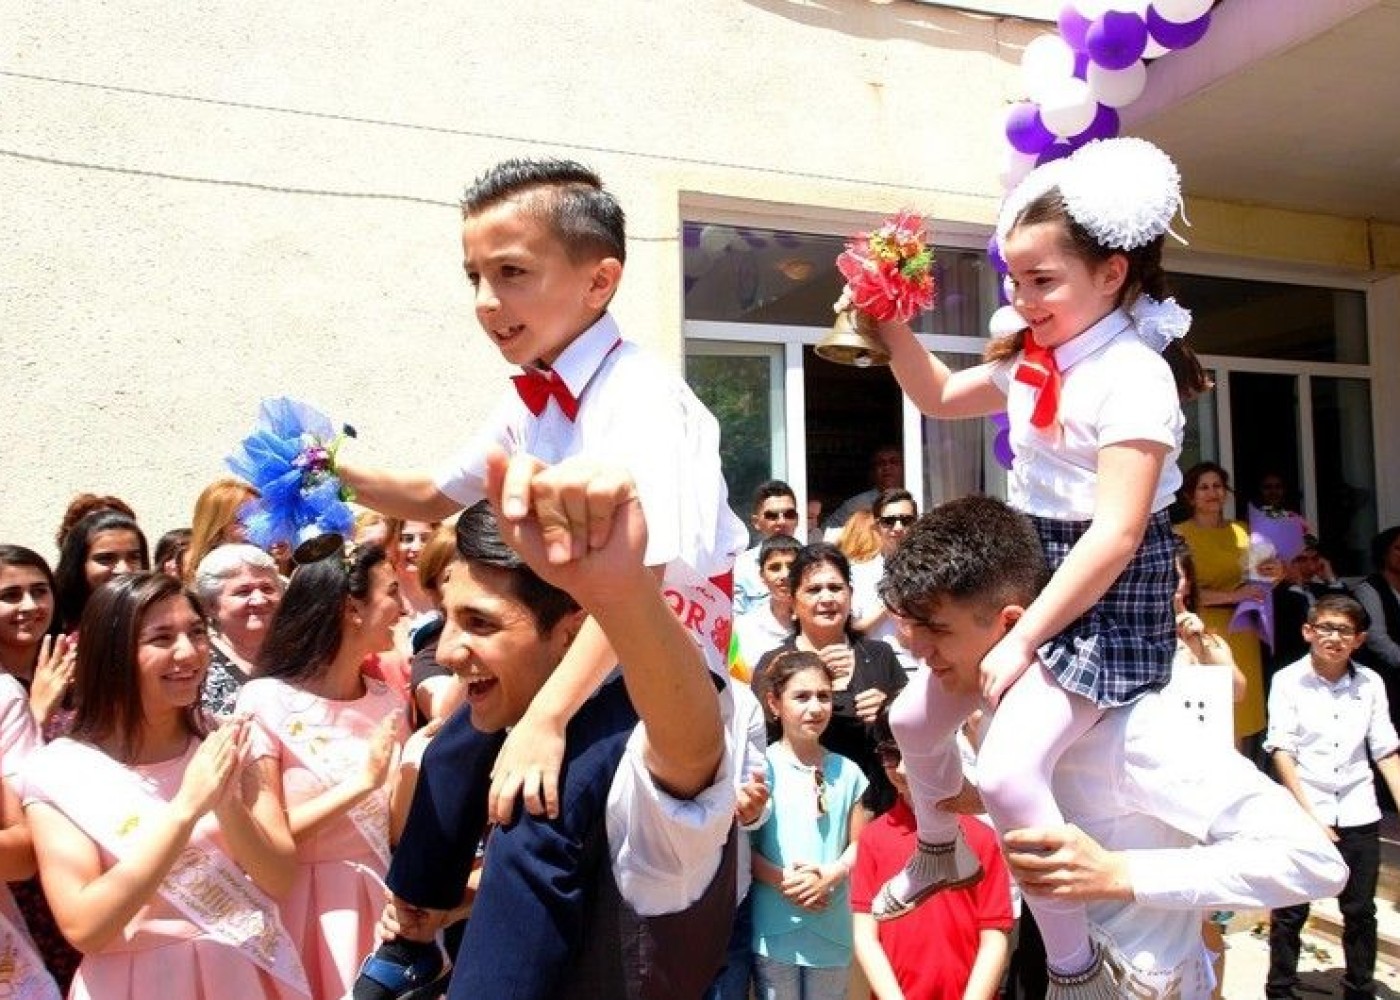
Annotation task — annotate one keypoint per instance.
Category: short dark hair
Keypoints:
(1340, 604)
(309, 625)
(571, 200)
(106, 681)
(479, 541)
(975, 549)
(896, 494)
(71, 574)
(809, 557)
(777, 543)
(772, 488)
(1381, 544)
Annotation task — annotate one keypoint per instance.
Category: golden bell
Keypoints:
(853, 341)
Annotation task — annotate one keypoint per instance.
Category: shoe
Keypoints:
(402, 971)
(1111, 977)
(933, 868)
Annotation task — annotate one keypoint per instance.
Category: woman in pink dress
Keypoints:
(332, 733)
(159, 846)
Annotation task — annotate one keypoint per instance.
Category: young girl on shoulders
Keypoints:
(804, 852)
(1092, 382)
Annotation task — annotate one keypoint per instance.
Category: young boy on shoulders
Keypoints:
(544, 247)
(1328, 718)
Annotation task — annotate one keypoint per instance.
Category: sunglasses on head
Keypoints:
(780, 515)
(903, 520)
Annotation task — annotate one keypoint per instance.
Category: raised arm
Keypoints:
(931, 385)
(412, 496)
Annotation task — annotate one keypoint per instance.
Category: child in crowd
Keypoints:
(1092, 385)
(774, 514)
(1328, 719)
(972, 925)
(766, 624)
(803, 853)
(544, 248)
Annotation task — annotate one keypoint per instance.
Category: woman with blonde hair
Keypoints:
(215, 520)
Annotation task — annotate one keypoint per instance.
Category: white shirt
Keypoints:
(665, 851)
(865, 601)
(1201, 828)
(1327, 729)
(1114, 388)
(757, 631)
(636, 413)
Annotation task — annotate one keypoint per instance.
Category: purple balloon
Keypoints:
(1055, 151)
(994, 255)
(1104, 126)
(1172, 35)
(1024, 129)
(1001, 444)
(1073, 27)
(1081, 66)
(1116, 40)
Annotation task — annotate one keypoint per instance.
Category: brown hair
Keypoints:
(106, 680)
(438, 553)
(214, 511)
(1145, 277)
(783, 668)
(88, 503)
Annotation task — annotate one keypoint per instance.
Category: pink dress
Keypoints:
(160, 952)
(338, 893)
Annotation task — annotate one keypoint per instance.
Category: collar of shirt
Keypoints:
(1092, 340)
(580, 361)
(1341, 685)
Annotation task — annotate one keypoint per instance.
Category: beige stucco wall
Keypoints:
(207, 202)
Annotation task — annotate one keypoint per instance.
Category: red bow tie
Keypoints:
(1039, 371)
(537, 387)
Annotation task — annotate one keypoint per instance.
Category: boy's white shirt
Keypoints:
(1201, 829)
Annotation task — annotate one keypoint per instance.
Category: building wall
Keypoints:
(211, 202)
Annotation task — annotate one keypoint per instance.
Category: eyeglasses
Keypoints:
(780, 515)
(889, 753)
(819, 780)
(1340, 631)
(903, 520)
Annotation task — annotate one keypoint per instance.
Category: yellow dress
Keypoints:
(1220, 554)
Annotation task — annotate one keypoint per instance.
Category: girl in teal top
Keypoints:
(804, 851)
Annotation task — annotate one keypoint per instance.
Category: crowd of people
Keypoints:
(504, 741)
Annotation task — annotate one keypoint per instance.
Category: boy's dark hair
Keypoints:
(770, 489)
(587, 219)
(1381, 544)
(479, 541)
(976, 550)
(1340, 604)
(896, 494)
(777, 543)
(309, 624)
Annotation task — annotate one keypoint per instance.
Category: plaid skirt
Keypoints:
(1122, 647)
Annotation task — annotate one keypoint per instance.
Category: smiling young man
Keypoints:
(632, 886)
(1328, 719)
(1157, 830)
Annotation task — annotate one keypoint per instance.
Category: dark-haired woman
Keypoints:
(31, 657)
(158, 844)
(866, 675)
(332, 733)
(893, 513)
(104, 544)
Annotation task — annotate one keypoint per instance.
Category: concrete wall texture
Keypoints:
(208, 202)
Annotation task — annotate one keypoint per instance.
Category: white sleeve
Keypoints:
(1142, 404)
(1257, 848)
(463, 477)
(665, 851)
(1284, 724)
(1381, 738)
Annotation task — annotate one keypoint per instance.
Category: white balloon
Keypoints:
(1091, 9)
(1154, 50)
(713, 239)
(1046, 61)
(1014, 167)
(1068, 108)
(1181, 11)
(1117, 87)
(1138, 7)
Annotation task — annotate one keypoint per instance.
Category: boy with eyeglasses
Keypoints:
(1328, 718)
(774, 513)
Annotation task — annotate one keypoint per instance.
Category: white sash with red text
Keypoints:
(705, 607)
(204, 884)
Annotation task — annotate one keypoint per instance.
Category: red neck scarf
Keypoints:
(1039, 371)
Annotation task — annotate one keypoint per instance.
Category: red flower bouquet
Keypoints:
(889, 273)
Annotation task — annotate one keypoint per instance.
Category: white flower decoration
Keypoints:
(1159, 323)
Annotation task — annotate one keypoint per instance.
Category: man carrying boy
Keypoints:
(544, 247)
(643, 852)
(774, 514)
(1157, 830)
(1328, 719)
